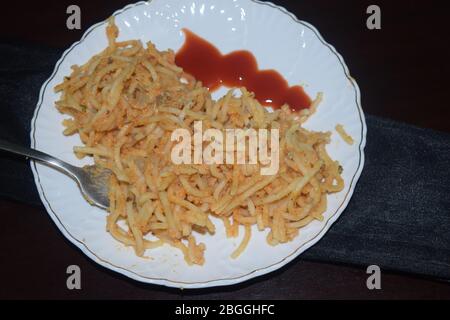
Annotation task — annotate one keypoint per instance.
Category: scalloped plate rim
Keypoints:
(216, 282)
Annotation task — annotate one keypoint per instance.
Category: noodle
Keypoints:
(344, 135)
(125, 103)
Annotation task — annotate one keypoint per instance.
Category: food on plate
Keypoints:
(344, 135)
(126, 102)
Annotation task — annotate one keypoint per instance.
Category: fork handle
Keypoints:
(39, 156)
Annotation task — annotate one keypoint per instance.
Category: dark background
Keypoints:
(402, 71)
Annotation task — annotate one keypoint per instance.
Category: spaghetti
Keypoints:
(126, 101)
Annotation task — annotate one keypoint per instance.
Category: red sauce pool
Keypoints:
(206, 63)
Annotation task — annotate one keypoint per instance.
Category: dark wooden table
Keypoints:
(402, 71)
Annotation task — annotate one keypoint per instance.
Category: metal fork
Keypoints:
(92, 180)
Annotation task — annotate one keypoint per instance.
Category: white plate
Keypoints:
(279, 41)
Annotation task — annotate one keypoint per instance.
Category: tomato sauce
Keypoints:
(206, 63)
